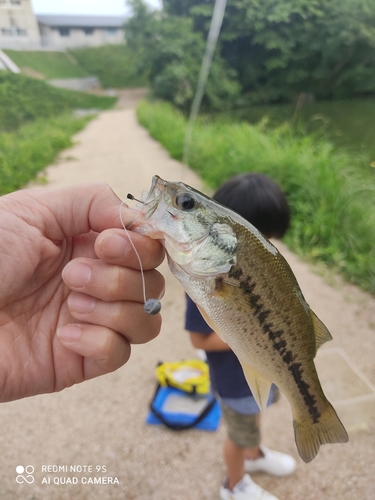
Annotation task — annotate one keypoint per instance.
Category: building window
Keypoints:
(111, 31)
(10, 3)
(88, 31)
(64, 31)
(7, 31)
(13, 32)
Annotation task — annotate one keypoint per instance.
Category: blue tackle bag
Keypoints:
(180, 402)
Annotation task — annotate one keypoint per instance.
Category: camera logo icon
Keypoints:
(25, 474)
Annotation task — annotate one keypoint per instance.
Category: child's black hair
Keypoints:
(259, 200)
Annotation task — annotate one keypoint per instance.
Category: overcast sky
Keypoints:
(100, 7)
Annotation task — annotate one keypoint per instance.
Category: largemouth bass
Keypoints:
(250, 297)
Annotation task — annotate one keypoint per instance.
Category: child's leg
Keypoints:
(243, 437)
(234, 458)
(254, 452)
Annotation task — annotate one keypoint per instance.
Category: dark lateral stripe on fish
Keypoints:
(278, 343)
(310, 400)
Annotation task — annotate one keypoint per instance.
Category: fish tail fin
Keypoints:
(309, 435)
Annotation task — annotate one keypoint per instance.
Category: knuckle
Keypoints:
(115, 283)
(149, 330)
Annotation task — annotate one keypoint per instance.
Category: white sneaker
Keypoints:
(272, 462)
(246, 489)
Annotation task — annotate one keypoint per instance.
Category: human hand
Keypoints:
(71, 298)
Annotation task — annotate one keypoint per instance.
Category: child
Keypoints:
(260, 201)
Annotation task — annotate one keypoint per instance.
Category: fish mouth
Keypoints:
(151, 200)
(146, 207)
(152, 207)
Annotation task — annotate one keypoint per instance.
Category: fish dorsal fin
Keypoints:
(322, 334)
(260, 386)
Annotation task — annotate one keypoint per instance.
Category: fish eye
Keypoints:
(185, 201)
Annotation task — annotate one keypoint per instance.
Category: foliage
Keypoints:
(173, 52)
(116, 66)
(33, 146)
(282, 48)
(25, 99)
(277, 48)
(48, 64)
(331, 193)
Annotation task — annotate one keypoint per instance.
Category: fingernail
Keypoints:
(114, 246)
(69, 333)
(81, 304)
(76, 274)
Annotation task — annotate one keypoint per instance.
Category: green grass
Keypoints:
(331, 193)
(116, 66)
(24, 99)
(32, 147)
(48, 64)
(36, 122)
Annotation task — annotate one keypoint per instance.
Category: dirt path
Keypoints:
(101, 422)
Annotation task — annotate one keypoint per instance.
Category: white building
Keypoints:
(18, 25)
(68, 31)
(21, 29)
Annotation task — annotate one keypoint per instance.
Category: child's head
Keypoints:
(259, 200)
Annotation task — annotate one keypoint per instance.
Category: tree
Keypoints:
(173, 53)
(275, 49)
(283, 47)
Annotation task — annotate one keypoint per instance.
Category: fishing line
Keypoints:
(151, 306)
(213, 35)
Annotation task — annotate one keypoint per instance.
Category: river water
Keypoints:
(348, 123)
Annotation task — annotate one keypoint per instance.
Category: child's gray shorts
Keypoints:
(242, 429)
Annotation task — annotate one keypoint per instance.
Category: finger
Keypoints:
(109, 282)
(114, 246)
(67, 212)
(103, 349)
(127, 318)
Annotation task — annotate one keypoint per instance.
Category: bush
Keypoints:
(331, 193)
(116, 66)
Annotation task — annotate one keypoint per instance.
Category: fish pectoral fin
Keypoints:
(322, 334)
(259, 386)
(232, 293)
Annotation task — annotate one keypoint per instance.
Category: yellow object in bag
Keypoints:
(190, 375)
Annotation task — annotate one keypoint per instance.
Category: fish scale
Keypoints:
(248, 294)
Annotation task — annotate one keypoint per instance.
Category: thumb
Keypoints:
(67, 212)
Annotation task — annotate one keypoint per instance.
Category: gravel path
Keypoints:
(101, 422)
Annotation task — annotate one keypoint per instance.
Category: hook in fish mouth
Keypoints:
(129, 196)
(149, 201)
